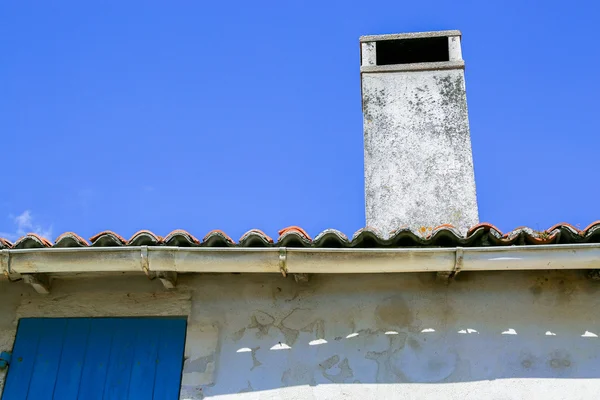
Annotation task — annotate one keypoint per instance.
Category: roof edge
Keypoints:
(148, 259)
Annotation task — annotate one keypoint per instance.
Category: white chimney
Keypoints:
(418, 161)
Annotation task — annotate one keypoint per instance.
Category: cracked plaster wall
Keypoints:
(357, 336)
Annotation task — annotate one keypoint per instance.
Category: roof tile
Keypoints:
(70, 239)
(107, 238)
(217, 238)
(31, 241)
(181, 238)
(144, 237)
(255, 238)
(483, 234)
(293, 229)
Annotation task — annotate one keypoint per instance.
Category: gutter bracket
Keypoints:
(4, 263)
(168, 278)
(458, 263)
(146, 262)
(39, 282)
(5, 266)
(283, 261)
(447, 276)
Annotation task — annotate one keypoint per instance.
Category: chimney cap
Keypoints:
(411, 35)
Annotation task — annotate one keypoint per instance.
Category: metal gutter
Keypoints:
(297, 260)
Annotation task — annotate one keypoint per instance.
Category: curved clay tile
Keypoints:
(329, 232)
(178, 235)
(446, 235)
(594, 226)
(563, 225)
(369, 230)
(252, 236)
(518, 231)
(486, 226)
(369, 237)
(31, 241)
(449, 228)
(483, 234)
(144, 238)
(331, 238)
(393, 233)
(5, 243)
(406, 237)
(294, 229)
(107, 239)
(294, 236)
(217, 238)
(70, 239)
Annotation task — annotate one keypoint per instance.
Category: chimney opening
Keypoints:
(409, 51)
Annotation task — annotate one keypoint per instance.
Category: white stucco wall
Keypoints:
(235, 321)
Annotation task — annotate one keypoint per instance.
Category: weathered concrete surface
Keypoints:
(506, 335)
(418, 161)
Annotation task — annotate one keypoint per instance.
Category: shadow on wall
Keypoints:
(391, 329)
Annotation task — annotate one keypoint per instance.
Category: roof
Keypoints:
(481, 235)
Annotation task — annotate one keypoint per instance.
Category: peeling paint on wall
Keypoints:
(390, 336)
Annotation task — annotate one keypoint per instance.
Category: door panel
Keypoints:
(96, 358)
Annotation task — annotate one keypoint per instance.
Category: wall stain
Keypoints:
(330, 362)
(255, 362)
(291, 335)
(317, 326)
(247, 389)
(536, 290)
(299, 374)
(556, 288)
(414, 343)
(344, 367)
(238, 335)
(393, 313)
(200, 364)
(385, 372)
(559, 359)
(300, 320)
(262, 322)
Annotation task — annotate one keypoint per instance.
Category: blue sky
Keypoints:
(221, 115)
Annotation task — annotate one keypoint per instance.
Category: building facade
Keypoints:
(425, 303)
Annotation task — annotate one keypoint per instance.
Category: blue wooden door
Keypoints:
(96, 358)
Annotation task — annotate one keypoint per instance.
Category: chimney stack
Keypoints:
(418, 161)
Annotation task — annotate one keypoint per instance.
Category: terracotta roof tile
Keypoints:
(483, 234)
(484, 225)
(294, 229)
(217, 238)
(5, 243)
(180, 237)
(70, 239)
(144, 237)
(592, 227)
(107, 234)
(562, 225)
(255, 238)
(372, 231)
(31, 240)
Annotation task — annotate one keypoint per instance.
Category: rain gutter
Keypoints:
(297, 260)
